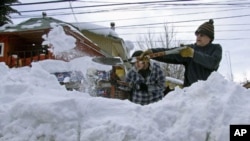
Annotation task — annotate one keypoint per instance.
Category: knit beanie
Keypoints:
(207, 28)
(135, 56)
(137, 53)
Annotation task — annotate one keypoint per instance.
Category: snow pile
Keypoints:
(101, 30)
(34, 107)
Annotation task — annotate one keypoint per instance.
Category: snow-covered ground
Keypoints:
(35, 107)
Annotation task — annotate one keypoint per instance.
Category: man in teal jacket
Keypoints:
(200, 59)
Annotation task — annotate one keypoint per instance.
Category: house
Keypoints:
(107, 39)
(23, 43)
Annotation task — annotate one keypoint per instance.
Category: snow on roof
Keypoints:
(105, 31)
(32, 24)
(96, 29)
(2, 28)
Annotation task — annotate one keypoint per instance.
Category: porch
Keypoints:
(26, 57)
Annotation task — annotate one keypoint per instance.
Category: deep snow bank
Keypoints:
(33, 109)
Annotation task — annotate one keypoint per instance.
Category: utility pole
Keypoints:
(228, 58)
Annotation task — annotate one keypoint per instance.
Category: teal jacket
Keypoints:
(204, 62)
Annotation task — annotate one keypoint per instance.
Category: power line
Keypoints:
(180, 21)
(228, 39)
(73, 11)
(36, 3)
(240, 30)
(153, 5)
(192, 13)
(102, 5)
(129, 26)
(159, 26)
(185, 21)
(160, 3)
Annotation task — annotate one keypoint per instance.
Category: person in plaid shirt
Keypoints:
(146, 79)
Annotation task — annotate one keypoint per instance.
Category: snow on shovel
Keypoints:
(114, 61)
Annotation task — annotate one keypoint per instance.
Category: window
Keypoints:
(1, 49)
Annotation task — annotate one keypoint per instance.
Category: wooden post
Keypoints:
(41, 56)
(112, 91)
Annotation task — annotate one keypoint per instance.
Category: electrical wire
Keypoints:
(73, 11)
(140, 6)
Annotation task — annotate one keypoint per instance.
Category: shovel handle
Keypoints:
(153, 55)
(162, 53)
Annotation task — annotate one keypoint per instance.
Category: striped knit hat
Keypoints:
(207, 28)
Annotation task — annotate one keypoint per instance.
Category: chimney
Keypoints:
(112, 24)
(44, 14)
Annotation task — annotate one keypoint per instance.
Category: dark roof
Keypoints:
(32, 29)
(33, 24)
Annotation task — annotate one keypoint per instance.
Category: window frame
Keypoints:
(1, 49)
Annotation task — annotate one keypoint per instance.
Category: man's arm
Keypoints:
(171, 58)
(209, 61)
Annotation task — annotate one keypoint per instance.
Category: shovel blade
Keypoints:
(113, 61)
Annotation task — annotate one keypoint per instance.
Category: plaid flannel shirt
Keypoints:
(155, 82)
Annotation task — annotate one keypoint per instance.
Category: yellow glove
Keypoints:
(187, 52)
(144, 56)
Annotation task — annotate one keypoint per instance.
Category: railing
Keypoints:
(25, 58)
(28, 53)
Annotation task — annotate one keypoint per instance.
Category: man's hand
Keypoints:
(145, 54)
(142, 87)
(187, 52)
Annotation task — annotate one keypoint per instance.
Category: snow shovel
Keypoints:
(118, 60)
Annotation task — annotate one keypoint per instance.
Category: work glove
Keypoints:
(187, 52)
(142, 87)
(144, 56)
